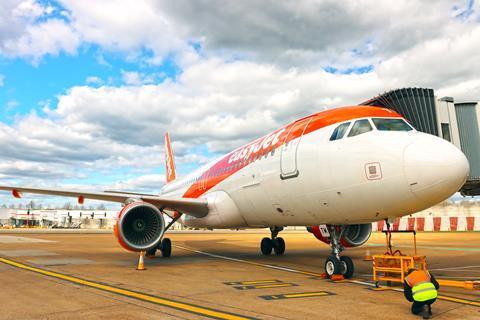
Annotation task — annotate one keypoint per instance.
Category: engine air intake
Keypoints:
(140, 226)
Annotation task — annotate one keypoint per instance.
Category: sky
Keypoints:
(88, 88)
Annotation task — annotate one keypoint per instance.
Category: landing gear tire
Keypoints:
(150, 253)
(166, 247)
(266, 246)
(279, 246)
(347, 267)
(333, 266)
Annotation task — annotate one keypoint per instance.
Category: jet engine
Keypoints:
(140, 226)
(354, 235)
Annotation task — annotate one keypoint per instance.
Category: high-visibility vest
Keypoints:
(422, 286)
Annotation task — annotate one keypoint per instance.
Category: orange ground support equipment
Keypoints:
(468, 285)
(393, 265)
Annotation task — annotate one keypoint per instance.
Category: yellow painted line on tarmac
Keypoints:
(459, 300)
(182, 306)
(297, 295)
(246, 283)
(288, 269)
(266, 286)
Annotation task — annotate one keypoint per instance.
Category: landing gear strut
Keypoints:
(335, 263)
(275, 243)
(165, 246)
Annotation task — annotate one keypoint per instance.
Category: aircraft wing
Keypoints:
(193, 207)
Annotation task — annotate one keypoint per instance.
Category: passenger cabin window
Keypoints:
(391, 124)
(339, 131)
(359, 127)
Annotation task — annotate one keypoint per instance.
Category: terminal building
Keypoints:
(457, 122)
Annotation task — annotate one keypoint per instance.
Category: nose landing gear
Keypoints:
(277, 244)
(335, 263)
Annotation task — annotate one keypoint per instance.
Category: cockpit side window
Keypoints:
(391, 124)
(359, 127)
(339, 131)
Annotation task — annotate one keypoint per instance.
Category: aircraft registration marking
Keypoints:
(178, 305)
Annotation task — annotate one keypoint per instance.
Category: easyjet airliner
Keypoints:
(334, 172)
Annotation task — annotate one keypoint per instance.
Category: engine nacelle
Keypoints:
(140, 226)
(354, 235)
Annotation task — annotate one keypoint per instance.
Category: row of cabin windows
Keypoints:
(239, 164)
(364, 125)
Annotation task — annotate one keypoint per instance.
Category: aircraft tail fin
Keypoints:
(169, 161)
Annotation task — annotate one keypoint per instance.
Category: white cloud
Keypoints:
(2, 80)
(11, 104)
(259, 67)
(93, 80)
(144, 183)
(127, 26)
(28, 30)
(50, 37)
(309, 32)
(442, 63)
(134, 78)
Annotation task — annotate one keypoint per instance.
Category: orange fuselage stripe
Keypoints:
(254, 149)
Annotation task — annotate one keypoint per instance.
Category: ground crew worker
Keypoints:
(420, 287)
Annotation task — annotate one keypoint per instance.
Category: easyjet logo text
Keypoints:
(263, 144)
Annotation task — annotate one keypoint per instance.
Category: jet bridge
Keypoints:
(455, 122)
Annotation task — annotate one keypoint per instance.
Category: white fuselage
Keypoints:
(312, 180)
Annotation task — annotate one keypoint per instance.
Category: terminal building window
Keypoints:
(446, 132)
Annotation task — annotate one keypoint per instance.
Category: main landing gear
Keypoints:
(337, 264)
(277, 244)
(165, 247)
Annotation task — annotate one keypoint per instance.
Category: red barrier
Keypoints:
(470, 223)
(453, 223)
(437, 222)
(420, 223)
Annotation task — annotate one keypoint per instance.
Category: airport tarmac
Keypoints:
(222, 275)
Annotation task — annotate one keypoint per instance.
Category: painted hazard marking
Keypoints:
(297, 295)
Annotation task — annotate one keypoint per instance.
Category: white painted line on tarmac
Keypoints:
(365, 283)
(271, 266)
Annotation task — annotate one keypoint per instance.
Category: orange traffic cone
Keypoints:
(141, 263)
(368, 256)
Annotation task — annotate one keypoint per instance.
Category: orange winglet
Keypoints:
(81, 199)
(16, 194)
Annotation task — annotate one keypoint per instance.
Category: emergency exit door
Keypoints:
(288, 157)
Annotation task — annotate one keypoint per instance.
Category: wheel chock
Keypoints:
(337, 277)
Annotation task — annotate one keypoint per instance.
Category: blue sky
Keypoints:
(87, 91)
(29, 86)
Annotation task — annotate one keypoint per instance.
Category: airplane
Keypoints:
(335, 172)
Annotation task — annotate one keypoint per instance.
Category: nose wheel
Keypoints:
(275, 244)
(337, 264)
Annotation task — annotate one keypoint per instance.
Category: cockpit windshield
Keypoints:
(391, 124)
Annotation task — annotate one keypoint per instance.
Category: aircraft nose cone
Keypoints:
(435, 169)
